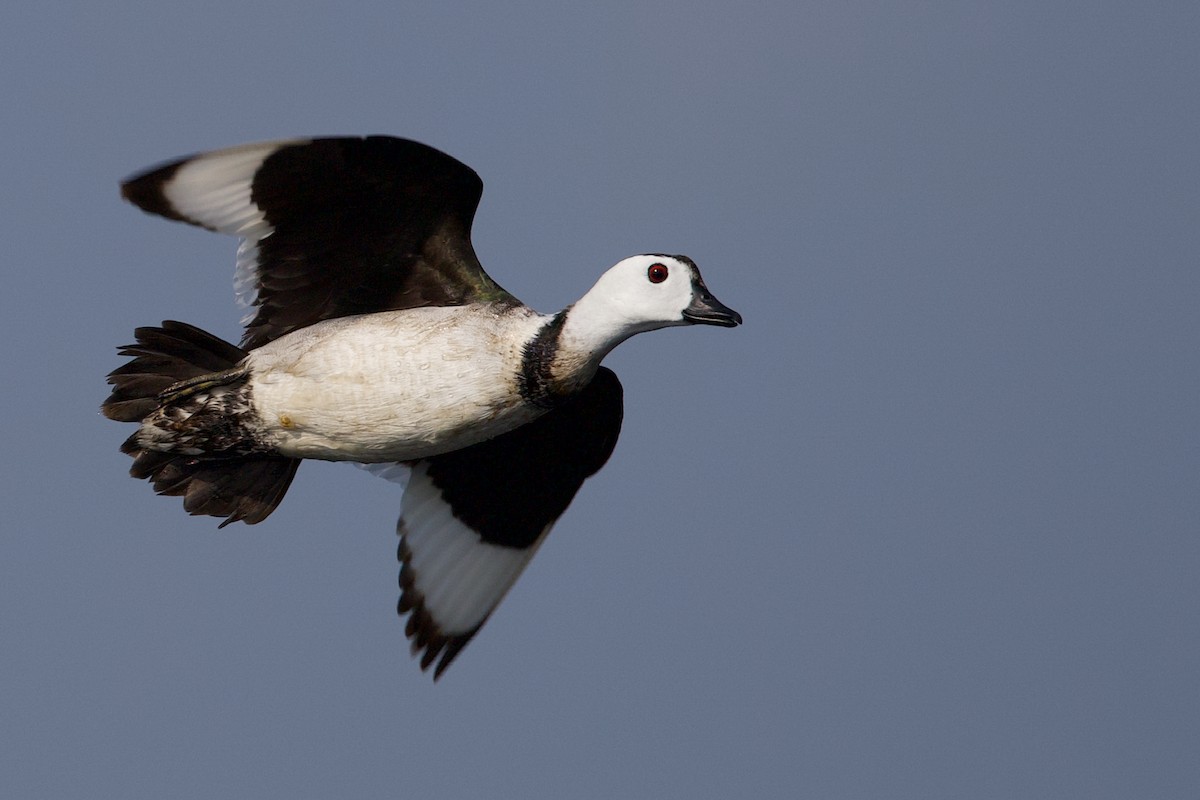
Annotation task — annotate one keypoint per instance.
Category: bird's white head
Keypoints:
(641, 293)
(645, 292)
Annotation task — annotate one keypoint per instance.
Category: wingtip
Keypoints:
(146, 191)
(427, 641)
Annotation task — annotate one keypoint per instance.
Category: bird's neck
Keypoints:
(564, 355)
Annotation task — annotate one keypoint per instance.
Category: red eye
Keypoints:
(657, 273)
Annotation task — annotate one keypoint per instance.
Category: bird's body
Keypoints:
(379, 339)
(392, 386)
(455, 383)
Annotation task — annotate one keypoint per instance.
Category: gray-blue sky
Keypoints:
(927, 526)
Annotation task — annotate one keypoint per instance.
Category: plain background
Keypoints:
(927, 526)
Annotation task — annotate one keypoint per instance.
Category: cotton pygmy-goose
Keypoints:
(376, 337)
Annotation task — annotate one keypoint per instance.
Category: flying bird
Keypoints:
(375, 336)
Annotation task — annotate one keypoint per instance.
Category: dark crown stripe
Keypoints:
(537, 361)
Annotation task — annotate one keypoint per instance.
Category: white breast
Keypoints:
(394, 386)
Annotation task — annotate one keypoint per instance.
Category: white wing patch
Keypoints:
(245, 275)
(213, 190)
(460, 577)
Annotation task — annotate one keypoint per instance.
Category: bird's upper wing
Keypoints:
(472, 519)
(331, 227)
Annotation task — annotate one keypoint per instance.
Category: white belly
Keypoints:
(393, 386)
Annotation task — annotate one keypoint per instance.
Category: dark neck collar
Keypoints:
(536, 379)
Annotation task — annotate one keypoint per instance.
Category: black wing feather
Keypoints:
(510, 488)
(357, 225)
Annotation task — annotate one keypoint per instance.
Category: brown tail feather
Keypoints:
(229, 484)
(162, 357)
